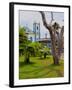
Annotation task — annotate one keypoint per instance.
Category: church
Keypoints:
(34, 35)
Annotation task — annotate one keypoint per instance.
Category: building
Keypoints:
(45, 41)
(34, 35)
(36, 30)
(30, 34)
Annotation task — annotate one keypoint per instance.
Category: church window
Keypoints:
(37, 27)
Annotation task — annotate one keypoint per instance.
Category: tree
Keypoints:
(23, 40)
(32, 49)
(36, 46)
(28, 52)
(24, 49)
(44, 51)
(56, 37)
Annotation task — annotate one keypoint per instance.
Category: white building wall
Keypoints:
(31, 36)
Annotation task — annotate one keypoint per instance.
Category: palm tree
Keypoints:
(28, 52)
(32, 49)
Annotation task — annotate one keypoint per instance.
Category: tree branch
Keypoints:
(51, 18)
(45, 22)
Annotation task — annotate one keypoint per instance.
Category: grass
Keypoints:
(40, 68)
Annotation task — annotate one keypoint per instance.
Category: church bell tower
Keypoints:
(36, 30)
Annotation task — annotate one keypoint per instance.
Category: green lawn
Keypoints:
(40, 68)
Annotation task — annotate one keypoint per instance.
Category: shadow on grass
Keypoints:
(38, 69)
(23, 63)
(42, 75)
(51, 68)
(53, 65)
(42, 58)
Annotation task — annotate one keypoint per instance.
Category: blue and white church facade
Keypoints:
(33, 35)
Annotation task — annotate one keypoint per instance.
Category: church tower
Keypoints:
(36, 30)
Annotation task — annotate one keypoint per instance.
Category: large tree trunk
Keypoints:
(56, 50)
(56, 60)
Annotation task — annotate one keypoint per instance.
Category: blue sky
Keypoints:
(27, 18)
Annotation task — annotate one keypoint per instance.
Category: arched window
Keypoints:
(37, 27)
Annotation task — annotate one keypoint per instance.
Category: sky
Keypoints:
(27, 18)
